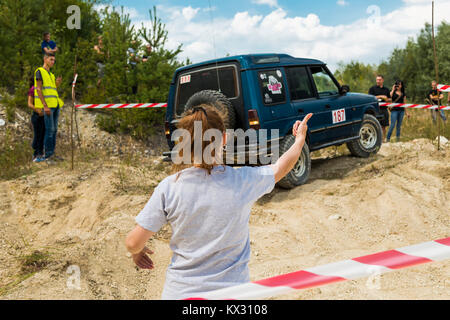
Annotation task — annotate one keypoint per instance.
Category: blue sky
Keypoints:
(331, 30)
(329, 11)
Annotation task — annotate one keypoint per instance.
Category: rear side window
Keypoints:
(272, 86)
(206, 79)
(299, 84)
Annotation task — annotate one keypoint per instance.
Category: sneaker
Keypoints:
(38, 159)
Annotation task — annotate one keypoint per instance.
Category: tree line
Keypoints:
(125, 76)
(414, 64)
(135, 65)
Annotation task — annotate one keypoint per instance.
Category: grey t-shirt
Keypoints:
(209, 215)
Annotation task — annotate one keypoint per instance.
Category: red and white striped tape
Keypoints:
(164, 105)
(443, 88)
(121, 106)
(356, 268)
(414, 106)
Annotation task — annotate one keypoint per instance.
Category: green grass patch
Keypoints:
(34, 262)
(15, 156)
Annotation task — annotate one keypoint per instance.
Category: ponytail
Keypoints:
(209, 119)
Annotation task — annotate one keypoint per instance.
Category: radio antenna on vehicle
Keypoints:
(214, 45)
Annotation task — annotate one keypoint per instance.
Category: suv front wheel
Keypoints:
(300, 173)
(370, 138)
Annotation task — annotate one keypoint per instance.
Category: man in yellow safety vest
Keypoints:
(46, 97)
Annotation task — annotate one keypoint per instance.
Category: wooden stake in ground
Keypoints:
(71, 115)
(436, 69)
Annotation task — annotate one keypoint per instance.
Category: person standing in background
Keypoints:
(383, 95)
(46, 97)
(147, 52)
(47, 45)
(435, 96)
(37, 120)
(100, 59)
(132, 63)
(398, 95)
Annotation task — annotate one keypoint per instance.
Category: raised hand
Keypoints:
(300, 128)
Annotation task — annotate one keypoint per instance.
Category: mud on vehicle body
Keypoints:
(272, 91)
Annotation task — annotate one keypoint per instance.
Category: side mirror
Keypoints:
(344, 89)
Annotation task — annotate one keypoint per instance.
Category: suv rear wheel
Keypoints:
(218, 101)
(370, 138)
(300, 173)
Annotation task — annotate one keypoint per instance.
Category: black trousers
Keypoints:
(39, 132)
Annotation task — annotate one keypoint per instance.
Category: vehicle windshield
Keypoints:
(192, 82)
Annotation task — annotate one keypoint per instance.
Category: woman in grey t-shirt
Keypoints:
(208, 207)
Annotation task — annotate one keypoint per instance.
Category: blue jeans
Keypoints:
(396, 118)
(39, 131)
(434, 112)
(51, 128)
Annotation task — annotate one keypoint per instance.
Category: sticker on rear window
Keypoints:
(185, 79)
(274, 85)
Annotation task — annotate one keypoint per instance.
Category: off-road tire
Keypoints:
(370, 138)
(218, 101)
(300, 174)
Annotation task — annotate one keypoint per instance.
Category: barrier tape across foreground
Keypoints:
(356, 268)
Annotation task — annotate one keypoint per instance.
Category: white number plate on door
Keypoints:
(339, 116)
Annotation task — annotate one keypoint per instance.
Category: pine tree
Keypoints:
(153, 75)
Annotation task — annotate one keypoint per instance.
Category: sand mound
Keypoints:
(350, 207)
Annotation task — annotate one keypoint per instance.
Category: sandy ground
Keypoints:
(350, 207)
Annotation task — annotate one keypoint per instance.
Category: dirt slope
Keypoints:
(350, 207)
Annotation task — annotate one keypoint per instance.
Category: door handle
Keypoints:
(327, 106)
(301, 110)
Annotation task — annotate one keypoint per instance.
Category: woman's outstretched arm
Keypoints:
(288, 160)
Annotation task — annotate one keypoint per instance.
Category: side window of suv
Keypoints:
(299, 84)
(324, 83)
(272, 86)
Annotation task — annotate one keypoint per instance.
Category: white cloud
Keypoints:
(189, 13)
(271, 3)
(342, 3)
(243, 23)
(299, 36)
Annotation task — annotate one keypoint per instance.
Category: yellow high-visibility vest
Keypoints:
(48, 90)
